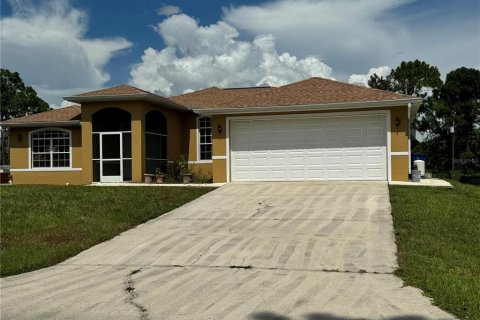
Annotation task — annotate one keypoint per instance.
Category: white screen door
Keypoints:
(111, 157)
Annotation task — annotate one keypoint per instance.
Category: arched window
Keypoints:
(111, 119)
(50, 148)
(204, 139)
(155, 142)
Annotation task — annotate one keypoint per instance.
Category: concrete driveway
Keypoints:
(258, 251)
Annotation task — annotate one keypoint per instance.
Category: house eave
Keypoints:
(128, 97)
(311, 107)
(41, 124)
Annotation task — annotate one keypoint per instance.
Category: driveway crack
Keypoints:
(132, 295)
(262, 209)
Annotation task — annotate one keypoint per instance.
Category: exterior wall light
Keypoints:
(19, 137)
(397, 122)
(219, 129)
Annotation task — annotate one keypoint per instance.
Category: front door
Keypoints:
(111, 157)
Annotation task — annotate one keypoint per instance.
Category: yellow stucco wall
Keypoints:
(48, 177)
(399, 136)
(189, 137)
(400, 168)
(19, 156)
(219, 139)
(219, 169)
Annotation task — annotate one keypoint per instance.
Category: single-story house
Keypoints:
(315, 129)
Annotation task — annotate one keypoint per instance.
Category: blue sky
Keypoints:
(66, 47)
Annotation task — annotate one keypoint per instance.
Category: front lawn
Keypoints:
(43, 225)
(438, 239)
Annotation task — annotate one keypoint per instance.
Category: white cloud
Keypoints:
(354, 34)
(63, 103)
(348, 34)
(47, 45)
(201, 56)
(362, 79)
(168, 10)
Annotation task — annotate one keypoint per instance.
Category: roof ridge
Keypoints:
(252, 87)
(129, 85)
(357, 86)
(196, 91)
(114, 87)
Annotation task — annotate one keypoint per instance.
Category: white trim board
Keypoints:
(42, 124)
(46, 170)
(386, 113)
(399, 153)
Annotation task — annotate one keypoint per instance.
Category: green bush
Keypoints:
(200, 177)
(174, 173)
(470, 179)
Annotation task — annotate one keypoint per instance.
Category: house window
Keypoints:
(50, 148)
(205, 138)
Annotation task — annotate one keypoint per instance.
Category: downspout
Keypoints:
(409, 143)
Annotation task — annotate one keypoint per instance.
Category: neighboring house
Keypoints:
(315, 129)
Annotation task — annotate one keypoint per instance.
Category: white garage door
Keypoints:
(320, 148)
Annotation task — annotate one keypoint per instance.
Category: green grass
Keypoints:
(44, 225)
(438, 239)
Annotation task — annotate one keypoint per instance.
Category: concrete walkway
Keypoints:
(258, 251)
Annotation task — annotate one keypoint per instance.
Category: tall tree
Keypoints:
(459, 105)
(16, 100)
(410, 77)
(416, 78)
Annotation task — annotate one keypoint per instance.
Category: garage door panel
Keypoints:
(315, 161)
(340, 148)
(316, 173)
(279, 174)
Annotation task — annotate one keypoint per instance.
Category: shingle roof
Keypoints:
(214, 97)
(69, 113)
(313, 91)
(123, 89)
(307, 92)
(123, 92)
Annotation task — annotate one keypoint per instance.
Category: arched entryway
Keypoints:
(155, 142)
(112, 145)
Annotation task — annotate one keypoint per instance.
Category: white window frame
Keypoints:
(51, 167)
(199, 160)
